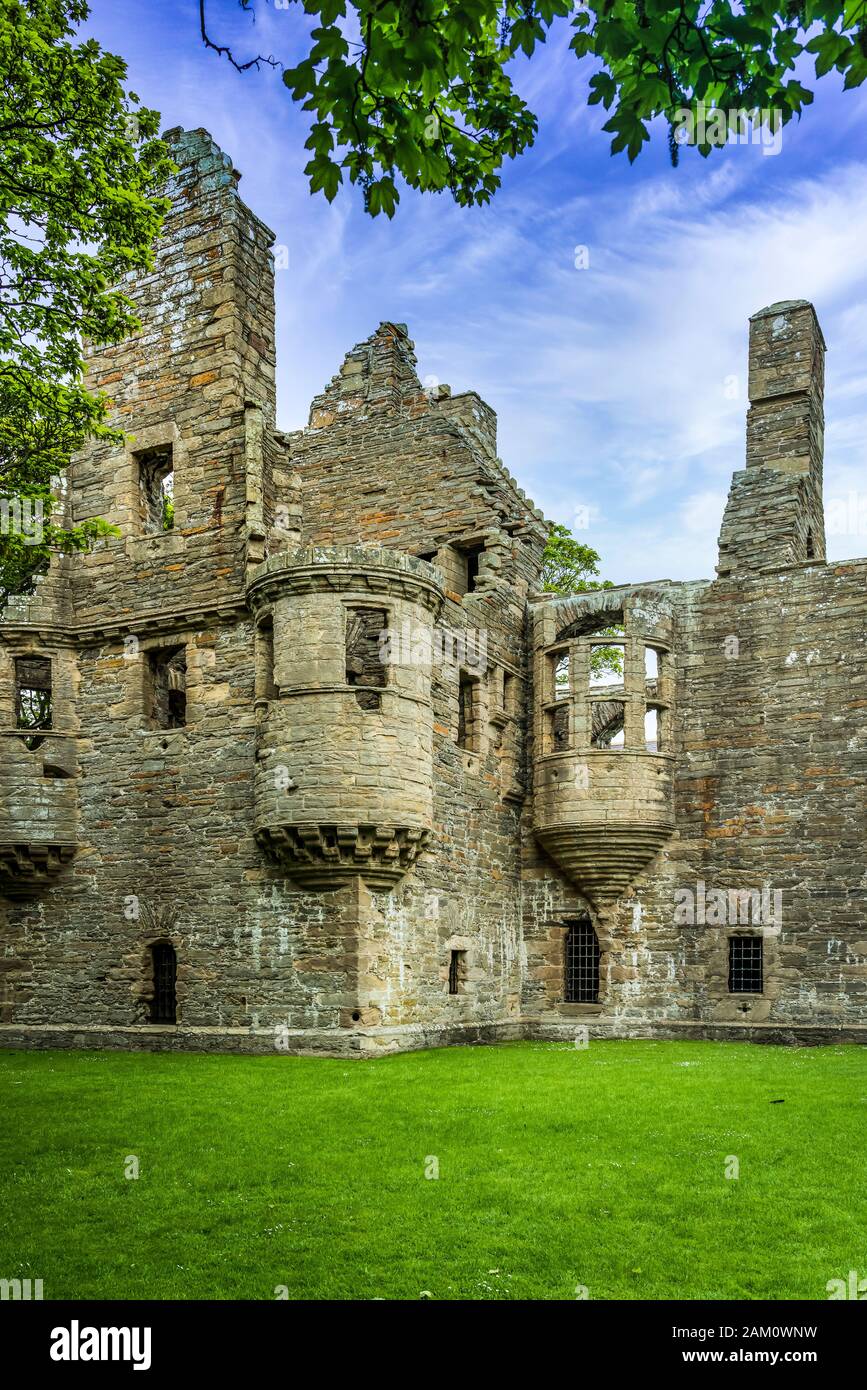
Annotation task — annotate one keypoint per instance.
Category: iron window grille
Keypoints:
(746, 965)
(164, 1007)
(582, 963)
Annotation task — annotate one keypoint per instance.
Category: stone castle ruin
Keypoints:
(303, 758)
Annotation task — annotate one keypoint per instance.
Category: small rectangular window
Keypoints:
(33, 698)
(510, 693)
(265, 686)
(468, 692)
(456, 971)
(33, 692)
(558, 729)
(652, 729)
(560, 683)
(167, 670)
(746, 965)
(473, 558)
(365, 661)
(156, 480)
(651, 664)
(582, 963)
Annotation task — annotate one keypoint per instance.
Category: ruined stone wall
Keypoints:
(770, 788)
(385, 461)
(350, 858)
(161, 818)
(769, 735)
(774, 790)
(205, 348)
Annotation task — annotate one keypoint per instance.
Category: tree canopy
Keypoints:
(80, 172)
(424, 90)
(568, 566)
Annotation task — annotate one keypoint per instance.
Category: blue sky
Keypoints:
(620, 387)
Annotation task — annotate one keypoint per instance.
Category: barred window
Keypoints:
(746, 965)
(164, 1006)
(582, 963)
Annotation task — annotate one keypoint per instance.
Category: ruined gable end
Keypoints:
(304, 759)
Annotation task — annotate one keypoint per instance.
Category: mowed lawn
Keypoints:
(602, 1168)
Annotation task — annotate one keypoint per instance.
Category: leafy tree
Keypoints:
(421, 89)
(568, 567)
(80, 169)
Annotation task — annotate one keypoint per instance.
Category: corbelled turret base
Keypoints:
(325, 856)
(603, 859)
(25, 869)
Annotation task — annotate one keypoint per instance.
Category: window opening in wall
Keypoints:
(607, 663)
(157, 489)
(33, 703)
(746, 965)
(164, 962)
(609, 717)
(473, 557)
(582, 963)
(266, 688)
(558, 728)
(168, 687)
(811, 553)
(467, 690)
(510, 693)
(365, 665)
(456, 971)
(652, 729)
(651, 664)
(560, 669)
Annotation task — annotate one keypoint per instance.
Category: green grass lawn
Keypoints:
(557, 1168)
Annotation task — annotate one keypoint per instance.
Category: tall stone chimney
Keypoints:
(774, 517)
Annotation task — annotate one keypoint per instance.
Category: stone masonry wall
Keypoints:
(351, 861)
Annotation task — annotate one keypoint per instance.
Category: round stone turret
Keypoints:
(604, 689)
(344, 776)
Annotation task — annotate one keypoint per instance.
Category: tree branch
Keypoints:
(223, 52)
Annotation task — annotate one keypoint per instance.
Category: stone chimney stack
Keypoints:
(774, 517)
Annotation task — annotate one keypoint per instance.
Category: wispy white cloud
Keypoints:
(622, 386)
